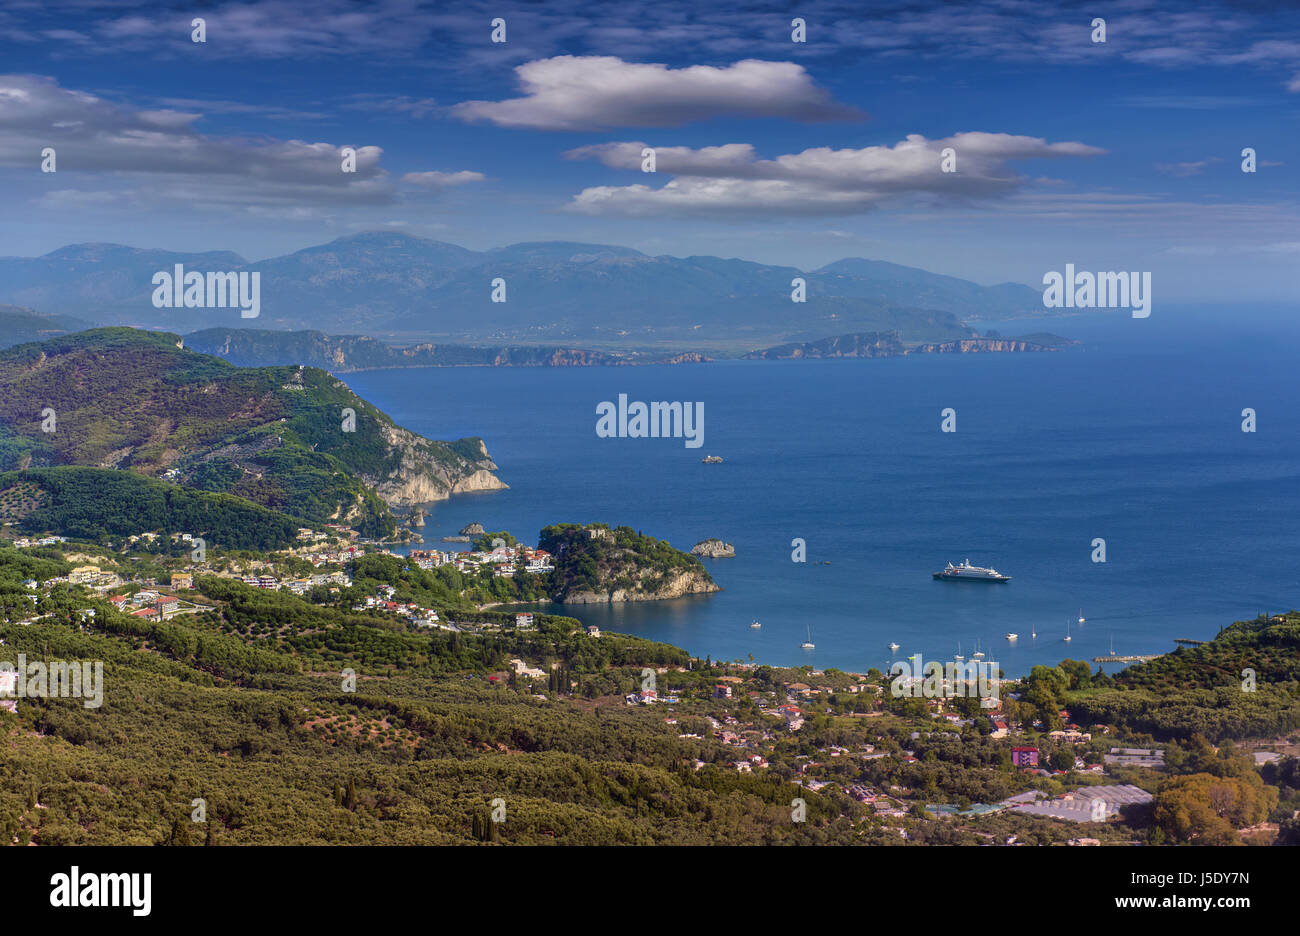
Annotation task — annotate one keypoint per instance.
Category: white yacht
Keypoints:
(970, 573)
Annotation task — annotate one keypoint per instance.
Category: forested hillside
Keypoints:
(292, 439)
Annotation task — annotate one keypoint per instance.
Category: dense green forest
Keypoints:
(1244, 684)
(101, 503)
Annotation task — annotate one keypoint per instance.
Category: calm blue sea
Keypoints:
(1135, 438)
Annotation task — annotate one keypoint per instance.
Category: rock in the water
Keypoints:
(474, 529)
(713, 549)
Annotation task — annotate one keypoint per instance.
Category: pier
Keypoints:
(1131, 658)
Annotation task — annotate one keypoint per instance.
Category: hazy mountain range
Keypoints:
(411, 288)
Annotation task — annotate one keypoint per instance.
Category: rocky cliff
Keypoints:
(420, 471)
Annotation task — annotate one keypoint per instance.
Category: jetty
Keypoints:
(1128, 658)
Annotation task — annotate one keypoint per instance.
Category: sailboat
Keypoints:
(756, 625)
(808, 644)
(1112, 644)
(893, 647)
(978, 654)
(1033, 631)
(1081, 615)
(1068, 638)
(957, 657)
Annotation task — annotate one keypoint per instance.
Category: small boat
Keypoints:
(978, 654)
(756, 625)
(1068, 638)
(893, 647)
(957, 657)
(1081, 615)
(1033, 632)
(808, 644)
(1013, 636)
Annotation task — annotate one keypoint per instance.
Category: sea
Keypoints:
(1134, 437)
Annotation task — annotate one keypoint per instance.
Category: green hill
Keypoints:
(130, 399)
(97, 503)
(595, 564)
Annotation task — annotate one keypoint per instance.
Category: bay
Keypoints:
(1134, 437)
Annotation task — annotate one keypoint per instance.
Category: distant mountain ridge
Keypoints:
(413, 288)
(252, 347)
(19, 325)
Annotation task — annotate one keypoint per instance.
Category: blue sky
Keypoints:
(1116, 156)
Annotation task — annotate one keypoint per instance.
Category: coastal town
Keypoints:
(872, 744)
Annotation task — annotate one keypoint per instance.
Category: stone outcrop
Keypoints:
(713, 549)
(674, 586)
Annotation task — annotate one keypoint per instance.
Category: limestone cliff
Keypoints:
(422, 471)
(713, 549)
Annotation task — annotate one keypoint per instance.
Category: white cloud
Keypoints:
(1184, 169)
(593, 92)
(159, 154)
(731, 180)
(441, 180)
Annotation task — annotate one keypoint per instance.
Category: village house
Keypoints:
(1070, 735)
(1153, 758)
(1024, 756)
(83, 575)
